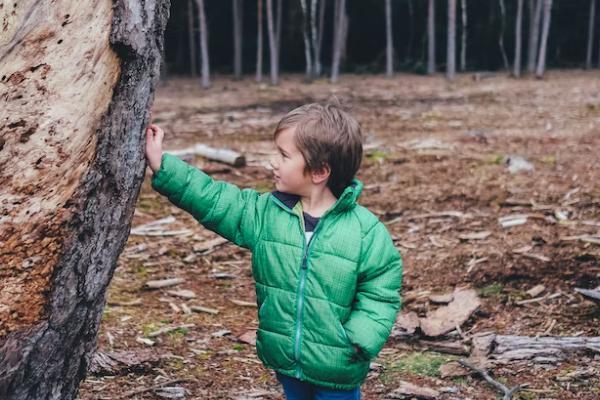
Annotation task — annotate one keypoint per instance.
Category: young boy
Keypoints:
(327, 272)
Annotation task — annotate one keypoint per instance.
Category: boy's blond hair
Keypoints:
(326, 135)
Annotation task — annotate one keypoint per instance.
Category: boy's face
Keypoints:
(288, 166)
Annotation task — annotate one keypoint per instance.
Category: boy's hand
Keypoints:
(154, 139)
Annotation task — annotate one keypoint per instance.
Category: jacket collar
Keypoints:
(346, 201)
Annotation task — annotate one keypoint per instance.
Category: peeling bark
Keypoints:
(78, 81)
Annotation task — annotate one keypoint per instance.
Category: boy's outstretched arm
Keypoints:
(377, 299)
(219, 206)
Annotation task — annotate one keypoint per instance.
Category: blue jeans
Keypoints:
(295, 389)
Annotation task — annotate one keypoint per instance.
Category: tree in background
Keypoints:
(259, 41)
(451, 41)
(463, 47)
(273, 57)
(320, 32)
(431, 37)
(238, 21)
(518, 33)
(590, 44)
(389, 48)
(541, 66)
(307, 41)
(338, 38)
(204, 45)
(535, 14)
(501, 35)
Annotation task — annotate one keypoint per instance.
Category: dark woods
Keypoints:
(324, 38)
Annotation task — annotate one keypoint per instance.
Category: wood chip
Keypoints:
(209, 245)
(513, 220)
(408, 322)
(183, 293)
(167, 329)
(441, 298)
(475, 235)
(145, 341)
(407, 390)
(162, 283)
(536, 290)
(248, 337)
(446, 319)
(243, 303)
(203, 309)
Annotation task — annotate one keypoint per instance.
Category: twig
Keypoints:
(508, 393)
(144, 390)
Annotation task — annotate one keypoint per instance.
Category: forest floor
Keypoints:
(436, 172)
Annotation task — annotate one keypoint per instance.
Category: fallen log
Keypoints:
(222, 155)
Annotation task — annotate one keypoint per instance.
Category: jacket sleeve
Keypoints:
(377, 299)
(219, 206)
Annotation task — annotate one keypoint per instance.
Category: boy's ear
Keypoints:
(321, 175)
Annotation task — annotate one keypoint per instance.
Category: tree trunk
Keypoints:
(463, 47)
(272, 44)
(451, 44)
(204, 45)
(518, 34)
(590, 44)
(314, 37)
(338, 27)
(71, 167)
(411, 30)
(501, 36)
(319, 65)
(192, 39)
(389, 50)
(307, 41)
(535, 14)
(278, 31)
(541, 66)
(259, 42)
(431, 37)
(238, 20)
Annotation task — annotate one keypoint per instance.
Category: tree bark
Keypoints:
(204, 45)
(319, 66)
(501, 35)
(463, 47)
(278, 31)
(259, 42)
(389, 49)
(307, 41)
(541, 66)
(431, 37)
(192, 39)
(590, 44)
(238, 20)
(338, 33)
(411, 30)
(518, 35)
(315, 37)
(535, 14)
(274, 58)
(451, 44)
(71, 163)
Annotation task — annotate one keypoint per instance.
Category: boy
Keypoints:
(327, 272)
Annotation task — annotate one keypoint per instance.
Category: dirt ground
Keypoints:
(436, 171)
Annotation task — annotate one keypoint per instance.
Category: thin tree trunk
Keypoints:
(590, 44)
(307, 41)
(431, 37)
(389, 52)
(204, 45)
(344, 35)
(319, 69)
(535, 14)
(518, 35)
(315, 38)
(501, 36)
(541, 67)
(192, 39)
(238, 28)
(65, 232)
(340, 7)
(278, 31)
(463, 47)
(451, 44)
(272, 44)
(259, 42)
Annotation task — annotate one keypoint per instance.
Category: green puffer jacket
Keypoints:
(316, 302)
